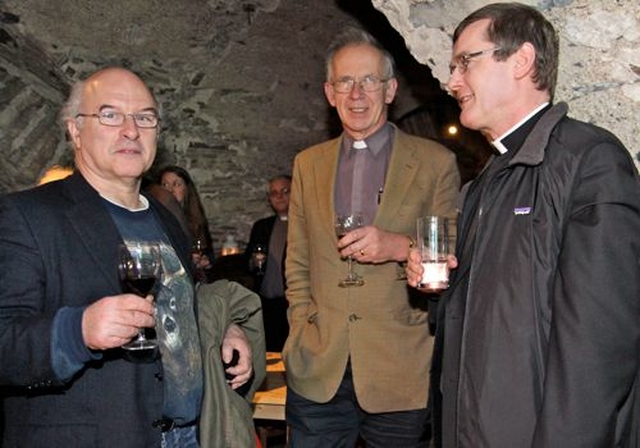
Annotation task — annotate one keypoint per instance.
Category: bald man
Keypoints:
(63, 316)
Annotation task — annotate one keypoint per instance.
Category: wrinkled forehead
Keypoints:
(119, 89)
(355, 58)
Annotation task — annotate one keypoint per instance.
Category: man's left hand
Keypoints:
(371, 244)
(235, 338)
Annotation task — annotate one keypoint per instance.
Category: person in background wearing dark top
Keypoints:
(269, 238)
(355, 356)
(538, 335)
(63, 316)
(166, 198)
(178, 181)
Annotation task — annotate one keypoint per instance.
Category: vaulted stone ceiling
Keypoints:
(240, 82)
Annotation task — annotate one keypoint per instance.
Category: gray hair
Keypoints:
(71, 107)
(356, 36)
(276, 178)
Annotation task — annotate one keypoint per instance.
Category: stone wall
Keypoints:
(599, 72)
(241, 89)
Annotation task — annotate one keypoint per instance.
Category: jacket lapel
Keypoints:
(93, 225)
(325, 171)
(403, 167)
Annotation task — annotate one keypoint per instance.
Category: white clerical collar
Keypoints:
(359, 144)
(143, 201)
(497, 143)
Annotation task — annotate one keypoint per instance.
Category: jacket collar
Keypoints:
(534, 146)
(403, 167)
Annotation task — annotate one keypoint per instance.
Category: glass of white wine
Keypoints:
(345, 224)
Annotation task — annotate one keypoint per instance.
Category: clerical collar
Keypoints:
(506, 142)
(375, 142)
(143, 201)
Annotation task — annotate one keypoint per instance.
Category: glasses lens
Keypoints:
(367, 84)
(146, 120)
(370, 84)
(109, 118)
(343, 85)
(276, 193)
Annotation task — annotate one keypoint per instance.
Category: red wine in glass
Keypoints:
(140, 265)
(140, 286)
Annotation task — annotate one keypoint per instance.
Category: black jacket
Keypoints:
(58, 248)
(260, 234)
(542, 351)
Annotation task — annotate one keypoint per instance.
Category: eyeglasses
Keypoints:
(369, 83)
(462, 62)
(276, 193)
(111, 118)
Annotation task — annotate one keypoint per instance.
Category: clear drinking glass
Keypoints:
(345, 224)
(436, 240)
(140, 267)
(258, 259)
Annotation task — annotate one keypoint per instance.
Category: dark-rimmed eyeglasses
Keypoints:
(111, 118)
(461, 62)
(369, 83)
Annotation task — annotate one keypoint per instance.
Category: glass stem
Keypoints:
(141, 335)
(350, 267)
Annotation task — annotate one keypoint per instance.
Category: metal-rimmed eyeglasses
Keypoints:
(275, 193)
(461, 62)
(369, 83)
(144, 120)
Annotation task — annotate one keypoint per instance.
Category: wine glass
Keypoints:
(198, 249)
(345, 224)
(258, 258)
(140, 267)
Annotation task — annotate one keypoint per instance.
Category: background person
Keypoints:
(63, 316)
(178, 181)
(351, 355)
(538, 334)
(271, 235)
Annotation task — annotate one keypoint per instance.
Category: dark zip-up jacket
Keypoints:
(538, 338)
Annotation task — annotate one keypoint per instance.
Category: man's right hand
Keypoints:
(414, 268)
(112, 321)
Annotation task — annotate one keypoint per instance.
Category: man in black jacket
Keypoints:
(63, 315)
(265, 257)
(537, 337)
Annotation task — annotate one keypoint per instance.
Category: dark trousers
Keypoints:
(341, 421)
(276, 326)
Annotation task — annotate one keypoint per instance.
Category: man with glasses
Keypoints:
(265, 258)
(63, 316)
(355, 356)
(538, 334)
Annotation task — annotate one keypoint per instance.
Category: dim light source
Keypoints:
(56, 172)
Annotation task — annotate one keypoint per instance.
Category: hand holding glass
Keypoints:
(139, 266)
(436, 240)
(345, 224)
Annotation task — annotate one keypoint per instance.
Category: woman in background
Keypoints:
(177, 180)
